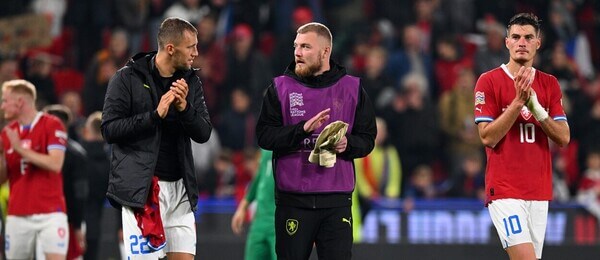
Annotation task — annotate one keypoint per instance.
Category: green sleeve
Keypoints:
(265, 160)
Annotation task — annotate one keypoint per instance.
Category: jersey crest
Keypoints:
(525, 113)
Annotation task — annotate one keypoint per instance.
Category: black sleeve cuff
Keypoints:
(155, 116)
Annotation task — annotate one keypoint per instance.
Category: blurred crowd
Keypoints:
(418, 60)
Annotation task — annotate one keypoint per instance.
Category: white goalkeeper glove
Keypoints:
(535, 108)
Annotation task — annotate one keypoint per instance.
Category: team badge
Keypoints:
(291, 226)
(525, 113)
(26, 143)
(479, 98)
(61, 232)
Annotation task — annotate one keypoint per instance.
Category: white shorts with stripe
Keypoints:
(22, 232)
(520, 221)
(178, 221)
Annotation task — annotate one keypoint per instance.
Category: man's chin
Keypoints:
(302, 72)
(521, 60)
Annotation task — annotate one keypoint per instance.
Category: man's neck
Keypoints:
(163, 64)
(326, 67)
(513, 67)
(27, 117)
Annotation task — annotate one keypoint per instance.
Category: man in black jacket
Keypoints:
(153, 106)
(313, 202)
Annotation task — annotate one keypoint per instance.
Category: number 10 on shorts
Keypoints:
(512, 225)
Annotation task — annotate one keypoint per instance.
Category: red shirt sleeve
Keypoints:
(485, 108)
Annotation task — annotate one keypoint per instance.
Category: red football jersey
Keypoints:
(520, 166)
(34, 190)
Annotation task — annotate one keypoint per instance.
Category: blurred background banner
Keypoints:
(23, 32)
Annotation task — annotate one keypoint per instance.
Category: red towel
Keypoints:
(149, 220)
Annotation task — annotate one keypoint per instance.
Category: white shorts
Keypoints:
(51, 230)
(520, 221)
(178, 222)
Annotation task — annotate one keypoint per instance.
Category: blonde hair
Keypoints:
(319, 29)
(20, 86)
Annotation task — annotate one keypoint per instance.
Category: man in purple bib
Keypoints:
(313, 202)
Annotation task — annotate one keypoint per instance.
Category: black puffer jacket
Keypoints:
(131, 124)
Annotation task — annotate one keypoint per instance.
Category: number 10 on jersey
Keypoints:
(527, 133)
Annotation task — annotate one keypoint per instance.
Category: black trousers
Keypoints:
(297, 229)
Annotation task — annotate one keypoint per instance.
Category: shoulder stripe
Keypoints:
(56, 147)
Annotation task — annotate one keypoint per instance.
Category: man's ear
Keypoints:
(20, 102)
(170, 49)
(327, 51)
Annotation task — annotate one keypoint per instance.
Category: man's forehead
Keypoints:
(521, 29)
(311, 38)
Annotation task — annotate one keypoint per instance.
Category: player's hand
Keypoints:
(165, 102)
(523, 81)
(80, 238)
(180, 89)
(14, 139)
(317, 121)
(237, 221)
(340, 146)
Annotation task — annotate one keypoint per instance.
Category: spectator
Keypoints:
(413, 124)
(224, 173)
(96, 83)
(456, 122)
(493, 52)
(9, 68)
(378, 175)
(412, 58)
(98, 168)
(451, 60)
(379, 86)
(189, 10)
(246, 68)
(470, 182)
(211, 62)
(204, 156)
(421, 187)
(39, 73)
(589, 187)
(132, 15)
(237, 123)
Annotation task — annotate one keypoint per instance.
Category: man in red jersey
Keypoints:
(34, 149)
(517, 109)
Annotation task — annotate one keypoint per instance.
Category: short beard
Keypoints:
(308, 71)
(181, 65)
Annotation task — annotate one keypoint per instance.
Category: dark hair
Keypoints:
(171, 31)
(61, 111)
(525, 19)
